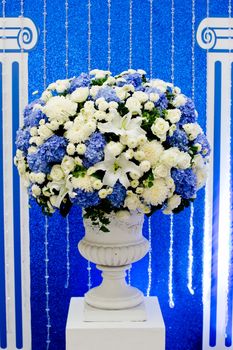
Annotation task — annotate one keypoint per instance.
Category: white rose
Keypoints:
(159, 84)
(139, 155)
(173, 115)
(80, 94)
(103, 106)
(36, 191)
(179, 100)
(140, 96)
(154, 97)
(170, 156)
(67, 164)
(161, 171)
(201, 177)
(192, 130)
(160, 127)
(62, 85)
(44, 131)
(198, 161)
(70, 149)
(121, 93)
(57, 173)
(115, 148)
(133, 105)
(184, 160)
(94, 90)
(81, 148)
(149, 106)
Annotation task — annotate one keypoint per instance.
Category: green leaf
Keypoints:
(104, 229)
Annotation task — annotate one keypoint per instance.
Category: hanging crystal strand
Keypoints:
(47, 309)
(67, 37)
(170, 277)
(172, 40)
(44, 44)
(67, 252)
(149, 259)
(130, 32)
(191, 222)
(151, 39)
(89, 35)
(89, 282)
(109, 35)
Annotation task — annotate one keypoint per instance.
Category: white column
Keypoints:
(17, 36)
(214, 35)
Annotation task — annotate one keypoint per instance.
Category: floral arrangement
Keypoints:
(112, 144)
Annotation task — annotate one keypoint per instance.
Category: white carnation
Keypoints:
(80, 94)
(156, 194)
(60, 108)
(152, 151)
(132, 202)
(173, 115)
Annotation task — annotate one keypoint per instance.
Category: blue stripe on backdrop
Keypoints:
(16, 209)
(3, 339)
(216, 192)
(229, 335)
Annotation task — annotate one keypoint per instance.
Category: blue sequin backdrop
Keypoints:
(184, 322)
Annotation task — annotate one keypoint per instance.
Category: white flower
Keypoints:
(152, 151)
(100, 115)
(59, 108)
(192, 130)
(179, 100)
(122, 215)
(103, 106)
(115, 148)
(116, 169)
(44, 131)
(139, 155)
(176, 90)
(54, 201)
(80, 94)
(173, 115)
(113, 105)
(154, 97)
(100, 74)
(129, 154)
(57, 173)
(161, 170)
(145, 166)
(46, 95)
(140, 96)
(97, 184)
(132, 202)
(170, 156)
(94, 90)
(201, 174)
(34, 131)
(53, 125)
(160, 127)
(134, 183)
(184, 160)
(67, 164)
(89, 106)
(39, 178)
(36, 191)
(81, 148)
(70, 149)
(62, 85)
(133, 105)
(124, 126)
(83, 182)
(32, 149)
(198, 161)
(172, 129)
(149, 106)
(81, 129)
(159, 84)
(134, 176)
(156, 194)
(172, 203)
(103, 193)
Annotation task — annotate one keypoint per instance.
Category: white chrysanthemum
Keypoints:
(132, 202)
(156, 194)
(81, 129)
(39, 178)
(83, 182)
(152, 151)
(192, 130)
(145, 166)
(173, 115)
(59, 108)
(179, 101)
(80, 94)
(70, 149)
(81, 148)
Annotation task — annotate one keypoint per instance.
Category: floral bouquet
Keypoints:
(112, 144)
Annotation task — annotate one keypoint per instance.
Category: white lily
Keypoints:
(116, 168)
(123, 126)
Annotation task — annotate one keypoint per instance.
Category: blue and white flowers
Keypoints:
(112, 143)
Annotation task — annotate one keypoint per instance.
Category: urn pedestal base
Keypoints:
(122, 335)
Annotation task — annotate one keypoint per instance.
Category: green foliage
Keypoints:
(98, 216)
(79, 171)
(99, 82)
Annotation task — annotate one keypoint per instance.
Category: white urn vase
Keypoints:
(114, 252)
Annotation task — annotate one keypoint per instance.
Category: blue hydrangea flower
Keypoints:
(162, 103)
(117, 197)
(32, 118)
(86, 199)
(179, 139)
(188, 113)
(49, 153)
(185, 181)
(94, 149)
(135, 79)
(22, 139)
(205, 146)
(108, 93)
(83, 80)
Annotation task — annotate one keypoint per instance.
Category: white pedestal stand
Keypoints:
(118, 335)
